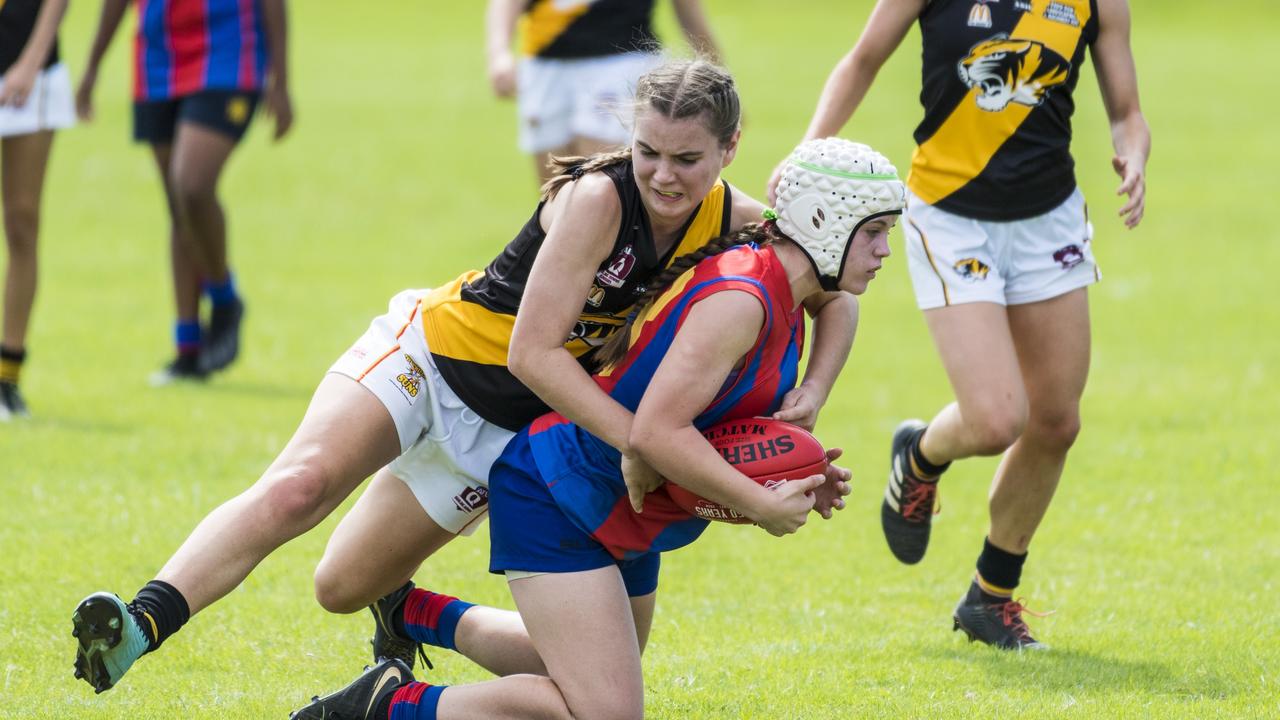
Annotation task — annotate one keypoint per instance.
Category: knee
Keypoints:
(295, 493)
(1056, 430)
(994, 430)
(21, 225)
(336, 591)
(190, 194)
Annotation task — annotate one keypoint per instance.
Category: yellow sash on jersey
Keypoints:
(970, 136)
(541, 24)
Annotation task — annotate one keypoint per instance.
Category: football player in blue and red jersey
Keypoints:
(712, 341)
(200, 69)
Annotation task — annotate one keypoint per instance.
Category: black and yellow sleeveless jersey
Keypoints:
(586, 28)
(996, 88)
(17, 21)
(468, 322)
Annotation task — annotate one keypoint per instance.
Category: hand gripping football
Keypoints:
(765, 450)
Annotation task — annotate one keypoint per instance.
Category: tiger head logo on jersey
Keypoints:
(972, 269)
(1005, 70)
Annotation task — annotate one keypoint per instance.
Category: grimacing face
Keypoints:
(867, 253)
(676, 163)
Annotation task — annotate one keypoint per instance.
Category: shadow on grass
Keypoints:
(1064, 669)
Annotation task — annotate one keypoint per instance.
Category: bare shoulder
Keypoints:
(592, 196)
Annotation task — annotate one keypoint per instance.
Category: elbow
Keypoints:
(519, 361)
(643, 439)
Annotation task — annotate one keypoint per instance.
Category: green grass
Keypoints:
(1161, 553)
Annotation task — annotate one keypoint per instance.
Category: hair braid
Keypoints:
(616, 348)
(570, 168)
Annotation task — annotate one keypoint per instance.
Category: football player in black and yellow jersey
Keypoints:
(35, 100)
(998, 241)
(571, 66)
(429, 396)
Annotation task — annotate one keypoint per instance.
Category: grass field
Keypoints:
(1161, 553)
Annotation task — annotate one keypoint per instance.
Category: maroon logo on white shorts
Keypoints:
(1069, 256)
(471, 499)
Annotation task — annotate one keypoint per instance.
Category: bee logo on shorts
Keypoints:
(972, 269)
(410, 381)
(238, 110)
(1008, 70)
(1069, 256)
(471, 499)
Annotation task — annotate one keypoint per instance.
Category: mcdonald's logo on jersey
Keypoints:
(980, 14)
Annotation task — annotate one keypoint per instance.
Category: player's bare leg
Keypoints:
(345, 435)
(186, 282)
(977, 350)
(23, 160)
(1053, 342)
(199, 156)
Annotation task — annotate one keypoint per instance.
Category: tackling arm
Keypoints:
(582, 221)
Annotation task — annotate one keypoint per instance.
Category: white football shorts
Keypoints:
(446, 448)
(955, 260)
(51, 105)
(558, 100)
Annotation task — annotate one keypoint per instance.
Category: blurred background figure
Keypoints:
(200, 69)
(578, 65)
(35, 100)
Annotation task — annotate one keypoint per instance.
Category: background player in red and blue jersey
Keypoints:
(720, 340)
(200, 69)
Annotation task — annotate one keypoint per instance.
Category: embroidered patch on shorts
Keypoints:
(409, 382)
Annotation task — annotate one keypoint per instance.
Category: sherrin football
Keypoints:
(766, 450)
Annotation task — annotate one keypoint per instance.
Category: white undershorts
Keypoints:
(51, 105)
(446, 448)
(559, 100)
(955, 260)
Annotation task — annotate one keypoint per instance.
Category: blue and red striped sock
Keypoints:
(223, 293)
(415, 701)
(432, 618)
(186, 335)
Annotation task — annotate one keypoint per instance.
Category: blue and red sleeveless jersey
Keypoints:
(582, 472)
(186, 46)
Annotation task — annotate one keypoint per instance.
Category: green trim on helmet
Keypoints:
(846, 175)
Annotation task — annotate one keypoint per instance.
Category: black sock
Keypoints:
(11, 364)
(921, 462)
(166, 608)
(999, 572)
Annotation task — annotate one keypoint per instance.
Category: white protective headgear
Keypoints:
(829, 188)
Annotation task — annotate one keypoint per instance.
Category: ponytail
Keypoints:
(612, 352)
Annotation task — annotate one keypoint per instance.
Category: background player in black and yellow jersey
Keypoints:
(430, 395)
(998, 243)
(35, 100)
(578, 65)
